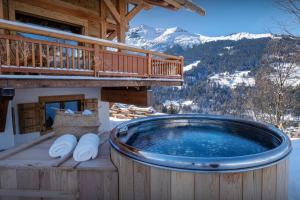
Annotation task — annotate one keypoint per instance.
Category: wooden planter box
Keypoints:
(76, 124)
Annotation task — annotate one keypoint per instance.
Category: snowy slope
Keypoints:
(233, 80)
(160, 39)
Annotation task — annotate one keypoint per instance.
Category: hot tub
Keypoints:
(200, 157)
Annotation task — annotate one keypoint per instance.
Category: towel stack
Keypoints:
(86, 149)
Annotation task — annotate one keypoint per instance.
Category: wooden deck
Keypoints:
(28, 171)
(92, 57)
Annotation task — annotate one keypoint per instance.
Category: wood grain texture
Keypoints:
(207, 186)
(182, 185)
(269, 178)
(160, 185)
(231, 186)
(141, 181)
(267, 183)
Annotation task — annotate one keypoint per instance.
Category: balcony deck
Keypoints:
(92, 60)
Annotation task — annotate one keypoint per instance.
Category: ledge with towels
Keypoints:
(85, 149)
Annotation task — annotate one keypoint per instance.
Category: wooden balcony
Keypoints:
(92, 58)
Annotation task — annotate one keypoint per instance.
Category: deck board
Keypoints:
(32, 172)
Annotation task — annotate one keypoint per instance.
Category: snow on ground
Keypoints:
(236, 37)
(116, 121)
(187, 103)
(191, 66)
(233, 80)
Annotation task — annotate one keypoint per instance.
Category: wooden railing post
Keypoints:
(149, 58)
(182, 65)
(96, 59)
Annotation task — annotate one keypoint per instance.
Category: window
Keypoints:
(40, 21)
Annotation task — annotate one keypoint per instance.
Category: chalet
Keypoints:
(63, 54)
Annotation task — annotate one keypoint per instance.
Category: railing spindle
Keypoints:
(78, 58)
(61, 57)
(17, 54)
(7, 52)
(25, 54)
(32, 54)
(54, 56)
(83, 55)
(41, 54)
(47, 56)
(67, 58)
(89, 60)
(73, 58)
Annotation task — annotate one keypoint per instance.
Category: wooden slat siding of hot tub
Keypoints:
(282, 180)
(160, 186)
(139, 180)
(126, 183)
(182, 185)
(269, 183)
(231, 186)
(207, 186)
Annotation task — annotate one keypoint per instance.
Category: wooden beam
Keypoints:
(1, 10)
(174, 3)
(53, 82)
(113, 10)
(121, 28)
(1, 17)
(133, 96)
(103, 25)
(134, 11)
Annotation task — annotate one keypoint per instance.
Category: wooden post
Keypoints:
(96, 59)
(103, 26)
(1, 14)
(182, 65)
(121, 28)
(149, 57)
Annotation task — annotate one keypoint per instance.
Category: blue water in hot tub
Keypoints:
(198, 141)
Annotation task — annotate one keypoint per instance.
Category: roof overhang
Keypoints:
(177, 4)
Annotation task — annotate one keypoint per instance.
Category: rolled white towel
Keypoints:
(87, 147)
(69, 111)
(87, 112)
(63, 145)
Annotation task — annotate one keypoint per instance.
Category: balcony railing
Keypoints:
(91, 57)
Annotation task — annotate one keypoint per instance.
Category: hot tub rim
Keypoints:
(202, 164)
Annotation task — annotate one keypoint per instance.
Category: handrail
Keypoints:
(18, 26)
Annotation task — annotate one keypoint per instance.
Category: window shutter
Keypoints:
(29, 117)
(91, 104)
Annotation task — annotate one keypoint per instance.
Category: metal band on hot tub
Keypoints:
(202, 164)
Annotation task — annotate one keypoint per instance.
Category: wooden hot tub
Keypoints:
(153, 169)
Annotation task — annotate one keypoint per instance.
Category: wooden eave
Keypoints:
(34, 81)
(177, 4)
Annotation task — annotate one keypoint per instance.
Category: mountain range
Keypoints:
(161, 39)
(219, 71)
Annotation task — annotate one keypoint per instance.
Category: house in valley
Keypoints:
(61, 54)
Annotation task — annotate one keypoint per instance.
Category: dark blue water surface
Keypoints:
(197, 141)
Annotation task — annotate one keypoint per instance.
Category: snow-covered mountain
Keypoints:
(160, 39)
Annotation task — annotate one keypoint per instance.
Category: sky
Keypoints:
(223, 17)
